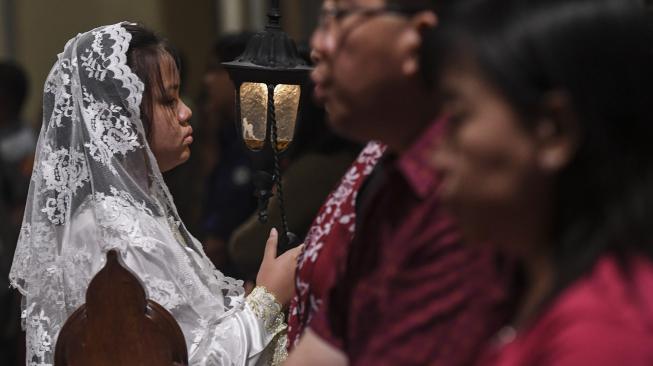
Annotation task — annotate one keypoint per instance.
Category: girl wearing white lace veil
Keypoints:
(112, 122)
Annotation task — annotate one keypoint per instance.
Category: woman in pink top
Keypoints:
(549, 156)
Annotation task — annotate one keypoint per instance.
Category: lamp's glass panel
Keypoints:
(286, 103)
(253, 112)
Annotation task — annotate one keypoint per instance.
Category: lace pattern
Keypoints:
(96, 186)
(64, 172)
(267, 309)
(111, 130)
(280, 349)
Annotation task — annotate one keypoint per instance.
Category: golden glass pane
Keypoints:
(253, 112)
(286, 104)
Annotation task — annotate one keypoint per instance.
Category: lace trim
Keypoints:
(280, 348)
(122, 71)
(266, 308)
(59, 86)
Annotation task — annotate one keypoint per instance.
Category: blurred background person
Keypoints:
(216, 186)
(17, 144)
(548, 157)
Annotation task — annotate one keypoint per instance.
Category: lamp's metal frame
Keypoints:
(270, 58)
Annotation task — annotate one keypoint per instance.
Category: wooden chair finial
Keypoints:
(119, 326)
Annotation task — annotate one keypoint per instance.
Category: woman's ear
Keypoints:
(557, 132)
(411, 41)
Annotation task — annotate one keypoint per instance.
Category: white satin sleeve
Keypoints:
(257, 333)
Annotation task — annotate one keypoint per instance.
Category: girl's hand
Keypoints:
(277, 274)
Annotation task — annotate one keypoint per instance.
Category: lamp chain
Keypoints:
(277, 167)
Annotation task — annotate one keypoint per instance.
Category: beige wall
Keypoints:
(190, 26)
(3, 34)
(7, 41)
(231, 15)
(44, 26)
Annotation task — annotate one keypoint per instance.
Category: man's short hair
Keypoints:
(13, 86)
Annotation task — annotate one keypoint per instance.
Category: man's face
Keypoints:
(358, 58)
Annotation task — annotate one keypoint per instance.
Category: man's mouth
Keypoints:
(320, 93)
(321, 84)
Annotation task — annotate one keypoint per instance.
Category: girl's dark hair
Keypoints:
(600, 54)
(143, 57)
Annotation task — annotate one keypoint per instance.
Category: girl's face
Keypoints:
(171, 133)
(490, 163)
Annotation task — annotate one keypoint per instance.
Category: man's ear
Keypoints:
(557, 132)
(410, 42)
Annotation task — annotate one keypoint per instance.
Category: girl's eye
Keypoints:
(170, 102)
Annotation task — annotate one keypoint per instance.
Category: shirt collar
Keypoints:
(415, 164)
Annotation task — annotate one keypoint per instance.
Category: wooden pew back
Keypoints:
(119, 326)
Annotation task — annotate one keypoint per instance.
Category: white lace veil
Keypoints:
(97, 186)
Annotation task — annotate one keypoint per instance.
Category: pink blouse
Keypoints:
(605, 318)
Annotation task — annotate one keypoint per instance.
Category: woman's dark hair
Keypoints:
(599, 53)
(143, 57)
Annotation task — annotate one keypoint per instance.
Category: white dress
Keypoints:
(239, 338)
(96, 186)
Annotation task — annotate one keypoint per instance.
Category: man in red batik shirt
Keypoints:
(400, 288)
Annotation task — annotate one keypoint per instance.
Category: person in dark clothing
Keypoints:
(228, 166)
(17, 144)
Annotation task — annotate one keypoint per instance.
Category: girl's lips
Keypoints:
(188, 139)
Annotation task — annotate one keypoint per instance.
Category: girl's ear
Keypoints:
(557, 132)
(411, 41)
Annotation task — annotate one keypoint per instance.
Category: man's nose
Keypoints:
(321, 44)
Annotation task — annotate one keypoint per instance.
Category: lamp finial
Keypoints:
(274, 15)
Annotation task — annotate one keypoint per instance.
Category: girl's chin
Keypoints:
(170, 165)
(185, 155)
